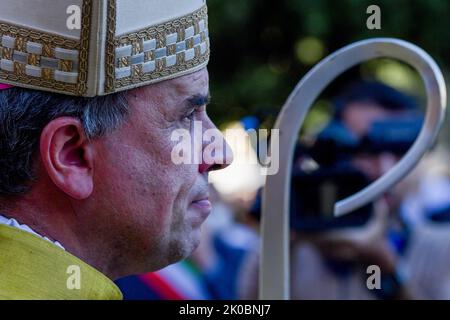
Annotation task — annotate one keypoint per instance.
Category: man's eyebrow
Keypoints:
(198, 100)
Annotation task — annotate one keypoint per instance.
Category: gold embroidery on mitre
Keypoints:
(65, 65)
(136, 71)
(48, 50)
(20, 44)
(19, 68)
(160, 65)
(137, 47)
(124, 62)
(149, 55)
(34, 59)
(7, 53)
(47, 74)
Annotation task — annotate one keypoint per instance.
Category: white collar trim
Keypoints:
(13, 223)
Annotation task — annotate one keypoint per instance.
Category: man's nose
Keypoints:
(216, 154)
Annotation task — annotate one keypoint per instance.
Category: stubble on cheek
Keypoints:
(161, 189)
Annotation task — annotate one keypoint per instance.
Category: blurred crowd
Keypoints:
(405, 233)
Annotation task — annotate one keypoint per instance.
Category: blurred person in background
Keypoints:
(426, 191)
(373, 126)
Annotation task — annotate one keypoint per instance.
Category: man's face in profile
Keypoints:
(152, 207)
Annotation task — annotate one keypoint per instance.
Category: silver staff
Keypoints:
(274, 275)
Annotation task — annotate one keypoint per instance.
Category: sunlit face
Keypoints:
(154, 208)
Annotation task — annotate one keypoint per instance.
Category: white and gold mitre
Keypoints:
(97, 47)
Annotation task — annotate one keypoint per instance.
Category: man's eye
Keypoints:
(190, 115)
(193, 113)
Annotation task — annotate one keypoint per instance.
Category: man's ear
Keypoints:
(67, 155)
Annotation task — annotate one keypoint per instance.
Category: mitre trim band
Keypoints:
(36, 59)
(156, 53)
(99, 61)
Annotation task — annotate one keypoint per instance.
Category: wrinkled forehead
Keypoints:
(177, 89)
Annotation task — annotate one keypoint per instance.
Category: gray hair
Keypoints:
(24, 114)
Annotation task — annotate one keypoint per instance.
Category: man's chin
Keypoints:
(194, 243)
(186, 248)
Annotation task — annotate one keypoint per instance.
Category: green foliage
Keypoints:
(261, 49)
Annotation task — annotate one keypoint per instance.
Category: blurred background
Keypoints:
(259, 51)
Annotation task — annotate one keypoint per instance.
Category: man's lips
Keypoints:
(204, 203)
(203, 206)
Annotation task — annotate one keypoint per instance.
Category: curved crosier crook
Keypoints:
(274, 275)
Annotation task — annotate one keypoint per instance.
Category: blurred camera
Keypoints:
(313, 195)
(336, 143)
(315, 191)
